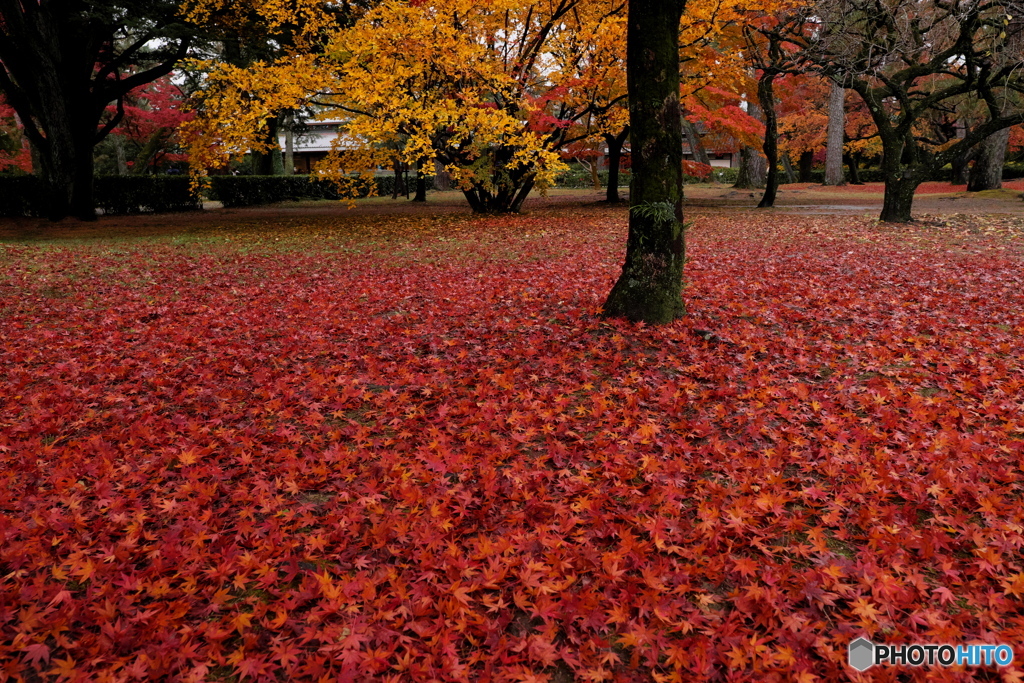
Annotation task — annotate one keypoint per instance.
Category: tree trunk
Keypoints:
(700, 155)
(753, 173)
(787, 166)
(853, 162)
(507, 198)
(421, 183)
(442, 179)
(987, 173)
(614, 143)
(900, 184)
(595, 178)
(149, 150)
(766, 97)
(960, 172)
(836, 130)
(650, 286)
(264, 163)
(289, 144)
(805, 165)
(119, 157)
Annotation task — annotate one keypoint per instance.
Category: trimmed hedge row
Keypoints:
(120, 195)
(253, 190)
(115, 195)
(21, 195)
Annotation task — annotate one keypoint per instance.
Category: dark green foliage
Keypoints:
(581, 179)
(144, 194)
(115, 195)
(253, 190)
(20, 195)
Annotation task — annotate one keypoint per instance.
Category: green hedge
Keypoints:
(576, 179)
(121, 195)
(581, 179)
(253, 190)
(114, 195)
(20, 195)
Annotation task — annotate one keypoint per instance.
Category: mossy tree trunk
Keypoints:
(650, 286)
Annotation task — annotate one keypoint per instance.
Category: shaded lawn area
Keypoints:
(406, 448)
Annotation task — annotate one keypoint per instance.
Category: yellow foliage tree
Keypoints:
(489, 90)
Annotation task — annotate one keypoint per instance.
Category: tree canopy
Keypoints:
(63, 63)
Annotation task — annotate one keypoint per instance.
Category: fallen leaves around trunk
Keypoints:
(410, 450)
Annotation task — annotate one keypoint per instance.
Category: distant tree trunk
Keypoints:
(805, 165)
(650, 286)
(961, 166)
(264, 163)
(700, 154)
(442, 179)
(766, 97)
(753, 171)
(119, 156)
(400, 186)
(149, 150)
(836, 130)
(787, 166)
(595, 178)
(289, 144)
(987, 173)
(507, 198)
(421, 183)
(614, 143)
(853, 162)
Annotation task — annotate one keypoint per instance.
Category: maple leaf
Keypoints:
(37, 653)
(1015, 585)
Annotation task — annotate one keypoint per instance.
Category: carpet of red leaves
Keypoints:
(410, 450)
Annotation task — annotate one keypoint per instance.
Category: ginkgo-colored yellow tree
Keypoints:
(489, 90)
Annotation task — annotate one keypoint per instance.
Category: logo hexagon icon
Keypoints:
(861, 654)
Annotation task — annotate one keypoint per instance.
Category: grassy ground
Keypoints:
(299, 443)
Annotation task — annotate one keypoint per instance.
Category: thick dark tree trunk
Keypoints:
(766, 97)
(899, 196)
(614, 143)
(835, 132)
(650, 286)
(805, 164)
(987, 173)
(421, 184)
